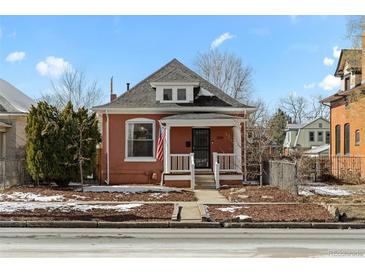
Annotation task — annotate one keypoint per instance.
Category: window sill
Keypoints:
(141, 159)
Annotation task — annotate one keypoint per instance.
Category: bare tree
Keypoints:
(354, 28)
(227, 72)
(295, 106)
(74, 87)
(317, 109)
(261, 115)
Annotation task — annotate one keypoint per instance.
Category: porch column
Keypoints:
(167, 157)
(237, 146)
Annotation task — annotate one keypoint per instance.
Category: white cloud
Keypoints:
(330, 82)
(220, 40)
(336, 52)
(52, 66)
(309, 85)
(328, 61)
(15, 56)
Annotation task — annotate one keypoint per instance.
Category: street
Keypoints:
(58, 242)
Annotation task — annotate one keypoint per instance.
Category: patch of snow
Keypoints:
(305, 193)
(79, 197)
(9, 207)
(30, 197)
(244, 217)
(330, 191)
(158, 195)
(230, 209)
(130, 189)
(324, 190)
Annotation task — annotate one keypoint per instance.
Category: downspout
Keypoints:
(107, 149)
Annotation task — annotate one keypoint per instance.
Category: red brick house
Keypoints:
(202, 126)
(347, 149)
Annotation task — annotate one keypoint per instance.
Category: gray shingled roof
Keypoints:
(12, 100)
(143, 95)
(204, 116)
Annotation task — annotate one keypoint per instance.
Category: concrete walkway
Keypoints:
(190, 211)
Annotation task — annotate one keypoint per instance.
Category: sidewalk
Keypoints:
(190, 211)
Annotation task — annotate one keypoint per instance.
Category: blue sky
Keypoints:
(286, 52)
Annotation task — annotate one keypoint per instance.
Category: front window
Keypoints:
(328, 137)
(320, 136)
(167, 94)
(311, 136)
(140, 139)
(347, 139)
(181, 94)
(338, 139)
(357, 137)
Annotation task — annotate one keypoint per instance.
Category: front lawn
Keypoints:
(255, 194)
(270, 213)
(11, 211)
(56, 194)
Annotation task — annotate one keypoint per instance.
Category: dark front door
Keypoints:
(201, 147)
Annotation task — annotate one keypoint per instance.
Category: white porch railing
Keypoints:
(180, 162)
(226, 161)
(216, 171)
(192, 170)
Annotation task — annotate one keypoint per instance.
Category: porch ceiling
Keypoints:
(202, 119)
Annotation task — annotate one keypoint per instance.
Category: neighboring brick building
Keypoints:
(348, 112)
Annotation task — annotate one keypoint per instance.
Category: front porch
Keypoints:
(202, 150)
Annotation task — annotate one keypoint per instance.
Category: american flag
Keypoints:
(160, 143)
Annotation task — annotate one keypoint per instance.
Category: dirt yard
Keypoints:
(270, 213)
(73, 212)
(257, 194)
(56, 194)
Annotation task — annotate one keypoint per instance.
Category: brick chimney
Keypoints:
(113, 96)
(363, 58)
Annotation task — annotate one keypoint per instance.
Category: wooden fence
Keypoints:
(12, 172)
(282, 174)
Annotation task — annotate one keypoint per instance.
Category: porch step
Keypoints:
(205, 181)
(204, 178)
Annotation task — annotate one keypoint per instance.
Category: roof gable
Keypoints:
(12, 99)
(351, 57)
(143, 95)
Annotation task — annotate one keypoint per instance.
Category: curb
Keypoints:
(95, 224)
(63, 224)
(195, 225)
(133, 224)
(293, 225)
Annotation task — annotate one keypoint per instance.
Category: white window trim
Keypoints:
(139, 159)
(174, 94)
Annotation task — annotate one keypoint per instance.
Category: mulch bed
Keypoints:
(71, 194)
(272, 212)
(255, 194)
(146, 212)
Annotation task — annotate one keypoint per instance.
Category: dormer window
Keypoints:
(181, 94)
(174, 92)
(167, 94)
(347, 83)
